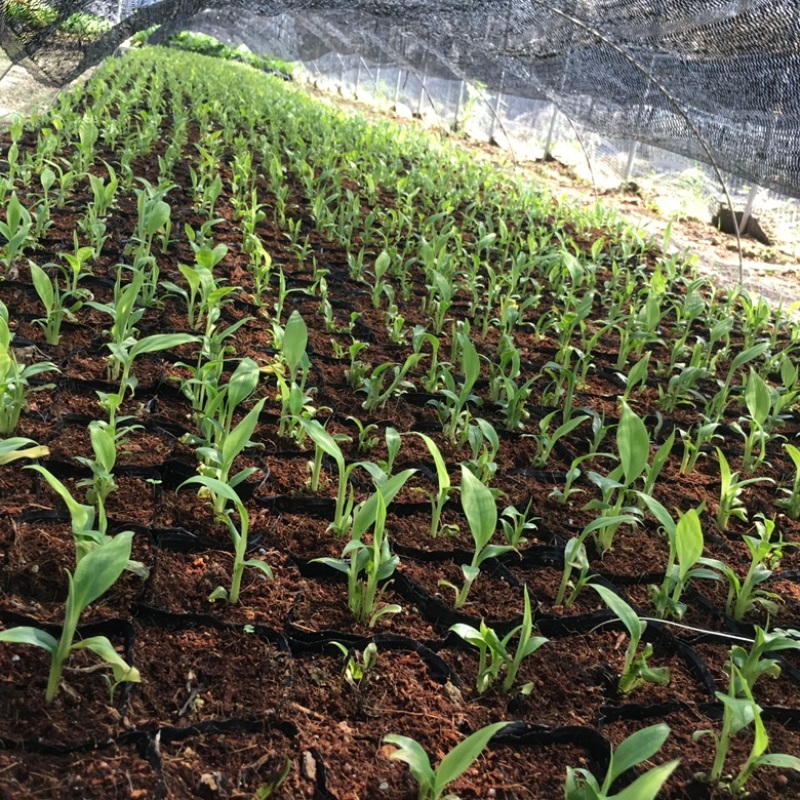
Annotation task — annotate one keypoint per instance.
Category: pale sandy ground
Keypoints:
(19, 92)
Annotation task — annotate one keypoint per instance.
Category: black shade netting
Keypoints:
(716, 80)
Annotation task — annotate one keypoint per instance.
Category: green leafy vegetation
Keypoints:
(546, 392)
(206, 45)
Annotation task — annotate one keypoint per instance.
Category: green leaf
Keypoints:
(479, 506)
(393, 442)
(757, 398)
(658, 675)
(220, 593)
(647, 786)
(102, 647)
(581, 785)
(259, 565)
(621, 609)
(82, 515)
(567, 427)
(636, 748)
(47, 178)
(471, 363)
(781, 760)
(468, 634)
(633, 443)
(532, 645)
(794, 454)
(33, 636)
(333, 563)
(411, 752)
(215, 485)
(43, 286)
(493, 551)
(606, 522)
(749, 355)
(789, 372)
(381, 264)
(368, 510)
(688, 541)
(638, 372)
(391, 608)
(157, 217)
(761, 738)
(742, 711)
(14, 448)
(470, 573)
(659, 459)
(160, 341)
(660, 513)
(238, 438)
(99, 570)
(323, 440)
(243, 382)
(441, 468)
(295, 340)
(103, 445)
(463, 755)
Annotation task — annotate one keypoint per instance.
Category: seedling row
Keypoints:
(462, 460)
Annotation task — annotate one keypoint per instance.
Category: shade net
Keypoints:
(714, 80)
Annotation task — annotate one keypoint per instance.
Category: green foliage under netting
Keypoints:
(31, 14)
(555, 323)
(85, 24)
(209, 46)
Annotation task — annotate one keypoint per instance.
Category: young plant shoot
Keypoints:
(93, 576)
(480, 509)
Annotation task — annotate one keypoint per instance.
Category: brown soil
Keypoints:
(230, 696)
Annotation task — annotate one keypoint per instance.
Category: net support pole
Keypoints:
(549, 141)
(748, 208)
(498, 101)
(358, 77)
(397, 86)
(459, 102)
(634, 149)
(422, 81)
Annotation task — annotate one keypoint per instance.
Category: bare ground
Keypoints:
(19, 92)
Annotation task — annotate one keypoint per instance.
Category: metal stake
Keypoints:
(358, 77)
(497, 105)
(748, 209)
(422, 90)
(460, 100)
(631, 160)
(397, 86)
(550, 132)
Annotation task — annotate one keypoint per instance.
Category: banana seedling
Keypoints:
(638, 747)
(433, 782)
(635, 671)
(618, 487)
(480, 509)
(93, 576)
(222, 493)
(368, 565)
